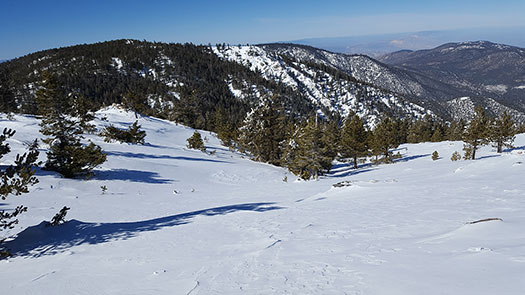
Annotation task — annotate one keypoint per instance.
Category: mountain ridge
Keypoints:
(175, 78)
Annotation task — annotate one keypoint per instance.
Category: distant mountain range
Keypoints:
(446, 81)
(377, 45)
(477, 69)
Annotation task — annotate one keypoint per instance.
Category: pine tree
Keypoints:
(195, 142)
(134, 134)
(134, 102)
(66, 155)
(354, 139)
(83, 110)
(7, 97)
(263, 133)
(502, 131)
(15, 179)
(456, 130)
(330, 139)
(224, 129)
(384, 138)
(435, 155)
(477, 131)
(309, 161)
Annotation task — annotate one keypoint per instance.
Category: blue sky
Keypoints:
(31, 25)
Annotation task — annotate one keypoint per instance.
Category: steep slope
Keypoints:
(364, 68)
(481, 68)
(179, 221)
(170, 78)
(325, 85)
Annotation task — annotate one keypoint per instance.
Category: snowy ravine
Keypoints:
(178, 221)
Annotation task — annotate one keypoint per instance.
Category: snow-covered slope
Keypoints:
(326, 87)
(463, 108)
(234, 226)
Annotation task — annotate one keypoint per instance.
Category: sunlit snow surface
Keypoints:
(178, 221)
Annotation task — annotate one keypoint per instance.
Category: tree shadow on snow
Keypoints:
(519, 148)
(41, 240)
(150, 156)
(347, 169)
(406, 159)
(130, 175)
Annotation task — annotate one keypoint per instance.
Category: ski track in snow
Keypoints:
(235, 227)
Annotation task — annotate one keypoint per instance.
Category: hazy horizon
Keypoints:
(29, 26)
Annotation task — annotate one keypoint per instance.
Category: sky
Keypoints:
(27, 26)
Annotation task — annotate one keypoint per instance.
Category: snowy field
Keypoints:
(178, 221)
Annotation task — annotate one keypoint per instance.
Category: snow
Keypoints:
(500, 88)
(117, 63)
(179, 221)
(321, 88)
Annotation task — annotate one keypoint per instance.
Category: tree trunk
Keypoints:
(500, 147)
(355, 162)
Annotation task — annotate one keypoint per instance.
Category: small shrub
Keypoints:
(435, 155)
(60, 217)
(133, 135)
(468, 152)
(103, 188)
(195, 142)
(455, 156)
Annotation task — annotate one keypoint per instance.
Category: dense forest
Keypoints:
(182, 82)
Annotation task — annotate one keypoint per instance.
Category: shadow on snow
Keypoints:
(130, 175)
(149, 156)
(522, 148)
(40, 240)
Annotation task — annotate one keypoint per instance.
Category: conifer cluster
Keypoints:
(15, 179)
(134, 134)
(66, 155)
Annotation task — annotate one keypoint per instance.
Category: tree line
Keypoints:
(307, 147)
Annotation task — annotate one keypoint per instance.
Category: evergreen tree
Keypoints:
(134, 102)
(263, 133)
(7, 97)
(435, 155)
(354, 139)
(330, 139)
(477, 132)
(384, 137)
(195, 142)
(456, 130)
(438, 134)
(502, 131)
(134, 134)
(309, 159)
(83, 110)
(15, 179)
(421, 130)
(66, 155)
(224, 129)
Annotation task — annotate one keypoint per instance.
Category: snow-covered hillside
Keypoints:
(324, 88)
(179, 221)
(463, 108)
